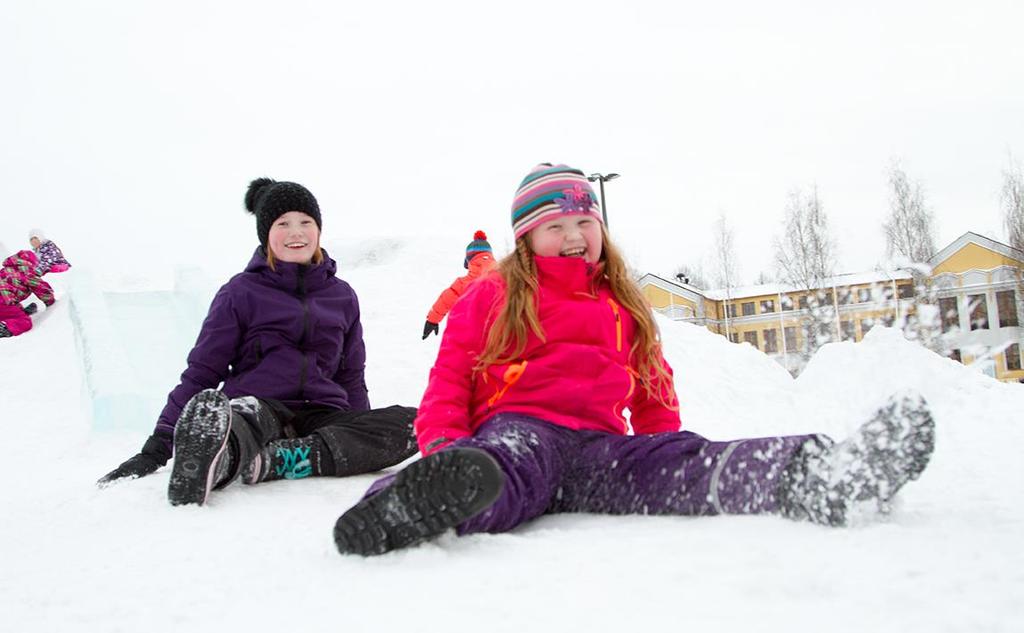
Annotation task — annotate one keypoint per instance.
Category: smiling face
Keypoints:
(568, 236)
(294, 238)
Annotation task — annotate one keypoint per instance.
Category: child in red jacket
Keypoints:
(524, 411)
(479, 261)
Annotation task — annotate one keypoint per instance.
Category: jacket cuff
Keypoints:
(437, 442)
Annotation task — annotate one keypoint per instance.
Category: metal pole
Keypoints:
(604, 212)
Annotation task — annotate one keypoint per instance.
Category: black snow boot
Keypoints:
(290, 459)
(4, 332)
(31, 308)
(202, 457)
(824, 481)
(427, 498)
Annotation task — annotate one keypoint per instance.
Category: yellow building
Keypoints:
(976, 281)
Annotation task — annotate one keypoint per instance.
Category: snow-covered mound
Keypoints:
(261, 557)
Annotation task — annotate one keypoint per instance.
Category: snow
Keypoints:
(122, 559)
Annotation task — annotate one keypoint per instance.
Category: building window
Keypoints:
(787, 303)
(803, 302)
(906, 291)
(748, 308)
(768, 305)
(790, 339)
(848, 330)
(750, 337)
(863, 295)
(771, 341)
(1006, 301)
(731, 310)
(826, 297)
(1013, 357)
(979, 312)
(845, 296)
(950, 313)
(865, 326)
(955, 355)
(734, 337)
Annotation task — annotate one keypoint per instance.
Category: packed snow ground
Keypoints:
(73, 557)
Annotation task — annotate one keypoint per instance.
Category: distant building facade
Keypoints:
(975, 281)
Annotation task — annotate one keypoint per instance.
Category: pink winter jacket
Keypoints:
(580, 377)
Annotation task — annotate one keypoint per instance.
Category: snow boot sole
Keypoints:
(200, 439)
(830, 483)
(430, 496)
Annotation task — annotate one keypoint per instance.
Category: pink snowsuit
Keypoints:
(18, 280)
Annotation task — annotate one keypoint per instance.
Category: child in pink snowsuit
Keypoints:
(19, 279)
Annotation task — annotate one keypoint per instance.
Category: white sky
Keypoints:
(139, 125)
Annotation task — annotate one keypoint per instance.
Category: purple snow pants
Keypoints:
(550, 468)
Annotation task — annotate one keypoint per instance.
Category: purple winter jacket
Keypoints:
(292, 335)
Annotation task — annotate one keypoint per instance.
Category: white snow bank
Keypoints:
(947, 559)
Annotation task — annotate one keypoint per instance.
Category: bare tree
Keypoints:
(725, 262)
(909, 231)
(763, 278)
(1013, 205)
(692, 274)
(804, 257)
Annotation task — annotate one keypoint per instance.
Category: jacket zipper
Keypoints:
(301, 288)
(618, 324)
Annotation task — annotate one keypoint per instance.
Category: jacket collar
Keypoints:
(567, 274)
(291, 276)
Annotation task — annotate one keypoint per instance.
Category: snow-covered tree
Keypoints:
(725, 262)
(1013, 205)
(909, 229)
(805, 257)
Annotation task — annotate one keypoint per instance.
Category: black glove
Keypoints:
(429, 327)
(31, 308)
(154, 454)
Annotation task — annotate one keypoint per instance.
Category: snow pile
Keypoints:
(262, 557)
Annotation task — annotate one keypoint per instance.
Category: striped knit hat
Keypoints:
(549, 191)
(477, 246)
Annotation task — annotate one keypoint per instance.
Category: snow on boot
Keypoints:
(827, 483)
(428, 497)
(201, 455)
(289, 459)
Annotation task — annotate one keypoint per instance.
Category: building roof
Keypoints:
(980, 240)
(842, 279)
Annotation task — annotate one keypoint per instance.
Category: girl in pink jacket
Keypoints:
(525, 410)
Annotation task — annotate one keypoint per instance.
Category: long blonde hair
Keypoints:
(506, 339)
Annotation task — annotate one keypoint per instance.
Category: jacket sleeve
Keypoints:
(351, 374)
(447, 299)
(649, 415)
(208, 361)
(444, 413)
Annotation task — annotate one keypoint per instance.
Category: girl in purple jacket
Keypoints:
(284, 344)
